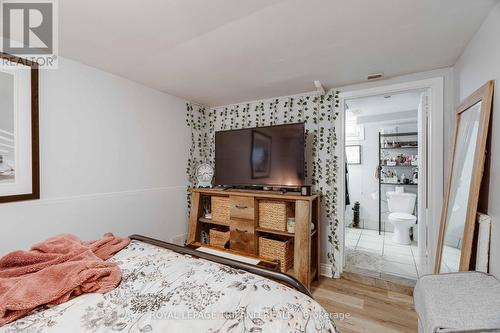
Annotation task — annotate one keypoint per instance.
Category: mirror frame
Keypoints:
(484, 95)
(35, 155)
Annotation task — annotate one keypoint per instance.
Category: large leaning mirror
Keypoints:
(458, 217)
(19, 161)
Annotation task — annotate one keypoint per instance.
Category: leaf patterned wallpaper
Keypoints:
(319, 113)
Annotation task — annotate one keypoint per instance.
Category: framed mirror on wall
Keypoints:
(19, 145)
(353, 154)
(458, 216)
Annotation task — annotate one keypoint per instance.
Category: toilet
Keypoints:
(401, 205)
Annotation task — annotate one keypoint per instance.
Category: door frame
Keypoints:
(434, 181)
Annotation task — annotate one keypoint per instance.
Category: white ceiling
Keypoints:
(223, 51)
(376, 105)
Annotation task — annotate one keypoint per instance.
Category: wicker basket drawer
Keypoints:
(273, 214)
(218, 237)
(220, 209)
(272, 249)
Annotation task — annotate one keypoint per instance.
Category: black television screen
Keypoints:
(266, 156)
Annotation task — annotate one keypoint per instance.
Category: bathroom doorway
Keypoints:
(382, 143)
(386, 210)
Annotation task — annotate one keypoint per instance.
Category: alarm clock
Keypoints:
(204, 175)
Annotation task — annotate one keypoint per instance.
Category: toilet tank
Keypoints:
(401, 202)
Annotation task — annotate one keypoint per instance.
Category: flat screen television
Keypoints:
(261, 156)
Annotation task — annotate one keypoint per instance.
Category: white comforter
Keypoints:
(163, 291)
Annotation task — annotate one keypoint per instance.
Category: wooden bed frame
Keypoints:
(264, 272)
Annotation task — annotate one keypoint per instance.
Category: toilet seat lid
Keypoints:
(403, 216)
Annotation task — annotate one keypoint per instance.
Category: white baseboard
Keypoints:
(325, 270)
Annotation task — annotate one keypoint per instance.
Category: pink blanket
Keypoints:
(56, 270)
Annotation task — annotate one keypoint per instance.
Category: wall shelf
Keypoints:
(281, 233)
(274, 232)
(393, 135)
(398, 166)
(210, 221)
(381, 166)
(392, 148)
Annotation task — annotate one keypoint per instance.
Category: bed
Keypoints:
(166, 290)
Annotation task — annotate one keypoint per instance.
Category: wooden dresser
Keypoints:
(244, 228)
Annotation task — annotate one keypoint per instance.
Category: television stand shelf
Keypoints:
(241, 190)
(251, 193)
(236, 256)
(242, 221)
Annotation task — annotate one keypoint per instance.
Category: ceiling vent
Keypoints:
(376, 76)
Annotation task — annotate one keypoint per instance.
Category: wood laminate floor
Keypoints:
(370, 309)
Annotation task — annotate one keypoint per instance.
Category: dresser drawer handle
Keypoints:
(240, 207)
(238, 230)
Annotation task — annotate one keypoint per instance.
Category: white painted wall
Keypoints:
(113, 156)
(362, 181)
(479, 63)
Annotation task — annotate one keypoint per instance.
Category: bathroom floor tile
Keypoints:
(414, 251)
(352, 236)
(373, 238)
(396, 268)
(389, 239)
(402, 258)
(369, 232)
(367, 250)
(369, 246)
(351, 243)
(354, 230)
(363, 259)
(397, 250)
